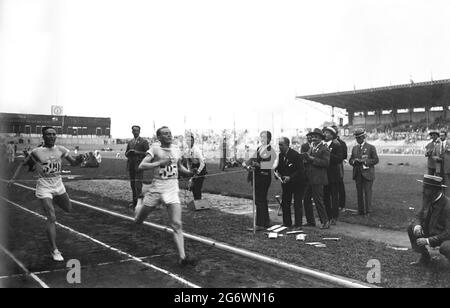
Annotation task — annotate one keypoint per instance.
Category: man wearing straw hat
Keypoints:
(363, 159)
(430, 149)
(432, 224)
(331, 190)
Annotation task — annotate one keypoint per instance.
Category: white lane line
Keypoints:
(84, 267)
(27, 272)
(175, 276)
(324, 276)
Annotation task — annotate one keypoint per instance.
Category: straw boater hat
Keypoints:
(433, 132)
(316, 131)
(331, 129)
(432, 180)
(359, 132)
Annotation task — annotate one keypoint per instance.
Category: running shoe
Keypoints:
(57, 256)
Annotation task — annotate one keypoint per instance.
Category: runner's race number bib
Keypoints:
(51, 167)
(168, 172)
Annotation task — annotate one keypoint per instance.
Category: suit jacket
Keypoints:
(334, 169)
(344, 154)
(292, 166)
(430, 151)
(305, 147)
(435, 221)
(344, 148)
(316, 170)
(372, 159)
(141, 145)
(442, 150)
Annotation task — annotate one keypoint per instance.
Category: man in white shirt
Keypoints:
(195, 162)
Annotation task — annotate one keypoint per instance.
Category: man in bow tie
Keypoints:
(363, 159)
(317, 160)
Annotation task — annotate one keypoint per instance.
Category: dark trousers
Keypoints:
(431, 171)
(262, 184)
(307, 203)
(317, 195)
(364, 193)
(298, 191)
(331, 200)
(342, 196)
(444, 248)
(197, 184)
(136, 178)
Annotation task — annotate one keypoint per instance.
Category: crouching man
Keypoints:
(432, 225)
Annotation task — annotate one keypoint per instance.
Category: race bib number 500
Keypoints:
(51, 167)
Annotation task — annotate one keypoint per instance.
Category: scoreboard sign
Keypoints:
(57, 110)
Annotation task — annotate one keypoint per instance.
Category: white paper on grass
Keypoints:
(273, 235)
(280, 229)
(314, 243)
(300, 237)
(294, 232)
(273, 227)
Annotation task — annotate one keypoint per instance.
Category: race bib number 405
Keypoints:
(168, 172)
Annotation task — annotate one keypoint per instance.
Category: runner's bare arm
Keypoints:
(72, 161)
(183, 170)
(148, 164)
(16, 173)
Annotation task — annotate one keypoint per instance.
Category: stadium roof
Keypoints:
(412, 95)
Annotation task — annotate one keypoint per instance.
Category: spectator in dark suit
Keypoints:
(341, 184)
(430, 149)
(135, 152)
(291, 172)
(331, 190)
(442, 157)
(317, 161)
(363, 159)
(432, 224)
(307, 200)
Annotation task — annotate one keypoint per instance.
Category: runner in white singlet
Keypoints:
(165, 162)
(49, 187)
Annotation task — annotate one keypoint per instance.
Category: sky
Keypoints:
(209, 64)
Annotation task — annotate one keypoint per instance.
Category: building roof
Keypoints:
(412, 95)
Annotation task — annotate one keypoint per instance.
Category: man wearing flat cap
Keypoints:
(317, 160)
(432, 224)
(430, 149)
(331, 190)
(363, 159)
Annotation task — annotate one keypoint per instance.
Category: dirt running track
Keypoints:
(103, 267)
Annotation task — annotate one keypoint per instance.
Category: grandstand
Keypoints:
(425, 102)
(397, 118)
(26, 128)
